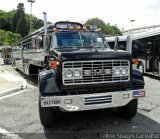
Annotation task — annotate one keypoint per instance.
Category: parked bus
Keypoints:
(145, 47)
(6, 54)
(29, 55)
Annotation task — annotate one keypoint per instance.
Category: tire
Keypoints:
(128, 111)
(47, 115)
(140, 66)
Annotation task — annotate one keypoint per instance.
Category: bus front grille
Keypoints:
(93, 72)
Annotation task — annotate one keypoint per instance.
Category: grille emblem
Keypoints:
(97, 72)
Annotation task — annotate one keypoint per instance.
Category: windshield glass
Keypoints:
(80, 39)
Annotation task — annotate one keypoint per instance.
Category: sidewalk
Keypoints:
(10, 83)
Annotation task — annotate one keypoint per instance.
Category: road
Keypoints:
(19, 115)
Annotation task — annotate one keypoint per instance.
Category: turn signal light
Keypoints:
(135, 61)
(78, 28)
(53, 64)
(54, 30)
(71, 28)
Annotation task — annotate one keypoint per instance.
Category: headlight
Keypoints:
(68, 74)
(124, 71)
(77, 73)
(117, 71)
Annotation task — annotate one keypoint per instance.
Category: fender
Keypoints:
(137, 78)
(47, 82)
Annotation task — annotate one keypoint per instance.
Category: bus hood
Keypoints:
(93, 55)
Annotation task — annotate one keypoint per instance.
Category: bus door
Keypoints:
(149, 56)
(157, 57)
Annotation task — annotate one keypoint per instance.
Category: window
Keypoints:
(79, 39)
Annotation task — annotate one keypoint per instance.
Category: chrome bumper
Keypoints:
(91, 101)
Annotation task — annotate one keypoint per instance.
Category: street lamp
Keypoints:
(132, 24)
(31, 1)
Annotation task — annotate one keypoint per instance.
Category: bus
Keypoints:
(6, 54)
(146, 48)
(29, 55)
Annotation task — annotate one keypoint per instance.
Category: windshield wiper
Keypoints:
(93, 44)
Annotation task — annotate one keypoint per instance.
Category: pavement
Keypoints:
(19, 116)
(10, 82)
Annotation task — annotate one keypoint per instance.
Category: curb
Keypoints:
(10, 91)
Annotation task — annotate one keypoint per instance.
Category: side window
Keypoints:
(33, 43)
(122, 45)
(14, 48)
(135, 46)
(30, 44)
(39, 42)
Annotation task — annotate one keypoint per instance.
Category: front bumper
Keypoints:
(91, 101)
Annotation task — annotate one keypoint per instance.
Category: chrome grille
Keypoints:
(98, 100)
(95, 67)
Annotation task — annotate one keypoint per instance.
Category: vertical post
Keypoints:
(116, 43)
(45, 39)
(45, 23)
(132, 24)
(31, 1)
(31, 18)
(129, 44)
(159, 69)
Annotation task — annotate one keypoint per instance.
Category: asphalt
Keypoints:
(19, 115)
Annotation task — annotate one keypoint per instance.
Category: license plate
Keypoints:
(63, 26)
(50, 101)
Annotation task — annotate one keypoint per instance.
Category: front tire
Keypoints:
(47, 115)
(128, 111)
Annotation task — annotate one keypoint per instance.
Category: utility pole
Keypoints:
(31, 1)
(132, 24)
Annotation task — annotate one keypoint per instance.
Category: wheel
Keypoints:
(47, 115)
(140, 66)
(128, 111)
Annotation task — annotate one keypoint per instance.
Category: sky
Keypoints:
(119, 12)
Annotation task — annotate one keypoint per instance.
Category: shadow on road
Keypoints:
(31, 79)
(95, 124)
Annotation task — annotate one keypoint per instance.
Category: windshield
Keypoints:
(80, 39)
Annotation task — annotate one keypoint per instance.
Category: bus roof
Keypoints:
(2, 47)
(137, 36)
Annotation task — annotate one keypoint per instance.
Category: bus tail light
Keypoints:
(135, 61)
(53, 64)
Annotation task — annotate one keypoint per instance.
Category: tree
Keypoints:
(17, 16)
(7, 37)
(106, 28)
(2, 37)
(5, 20)
(12, 37)
(22, 25)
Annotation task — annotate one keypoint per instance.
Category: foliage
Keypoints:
(10, 20)
(106, 28)
(22, 26)
(19, 22)
(6, 19)
(7, 37)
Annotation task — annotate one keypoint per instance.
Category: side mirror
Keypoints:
(129, 44)
(116, 43)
